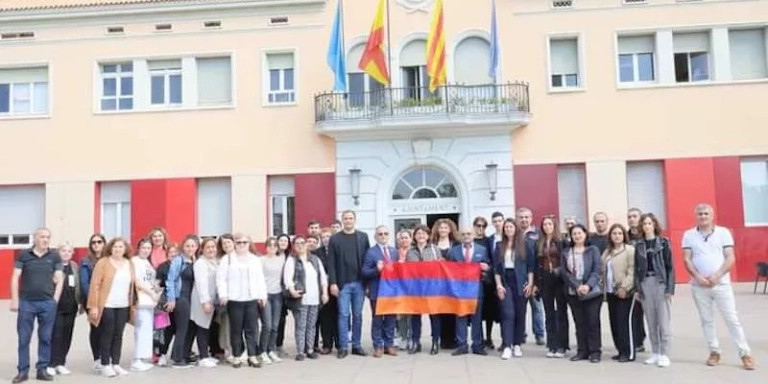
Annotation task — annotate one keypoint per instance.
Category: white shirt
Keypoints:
(312, 290)
(609, 276)
(509, 261)
(707, 251)
(121, 284)
(145, 278)
(241, 278)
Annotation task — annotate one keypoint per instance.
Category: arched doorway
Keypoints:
(422, 195)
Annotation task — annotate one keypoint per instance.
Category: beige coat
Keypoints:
(623, 267)
(101, 283)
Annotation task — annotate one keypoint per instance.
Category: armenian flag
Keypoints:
(428, 288)
(436, 49)
(372, 61)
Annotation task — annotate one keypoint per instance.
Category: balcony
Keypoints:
(415, 112)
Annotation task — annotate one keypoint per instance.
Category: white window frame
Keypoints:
(31, 100)
(266, 78)
(690, 68)
(581, 75)
(119, 217)
(166, 73)
(636, 68)
(12, 237)
(286, 219)
(744, 200)
(118, 76)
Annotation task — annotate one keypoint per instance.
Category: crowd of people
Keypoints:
(233, 301)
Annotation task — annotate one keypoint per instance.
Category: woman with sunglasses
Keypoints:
(179, 285)
(306, 282)
(549, 246)
(273, 274)
(424, 251)
(284, 247)
(95, 248)
(243, 289)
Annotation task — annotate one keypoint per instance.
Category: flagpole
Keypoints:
(389, 63)
(343, 43)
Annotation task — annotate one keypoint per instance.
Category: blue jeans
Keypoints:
(382, 329)
(351, 296)
(45, 313)
(436, 327)
(477, 328)
(537, 316)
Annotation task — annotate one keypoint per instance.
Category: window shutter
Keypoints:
(564, 56)
(472, 59)
(280, 60)
(636, 44)
(748, 54)
(415, 53)
(572, 192)
(22, 209)
(116, 192)
(24, 75)
(214, 81)
(691, 42)
(281, 186)
(157, 65)
(353, 59)
(754, 182)
(645, 188)
(214, 206)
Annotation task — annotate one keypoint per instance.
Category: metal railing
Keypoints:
(451, 99)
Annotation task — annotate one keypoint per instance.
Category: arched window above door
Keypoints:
(424, 183)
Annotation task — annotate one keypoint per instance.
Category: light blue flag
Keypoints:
(493, 68)
(336, 52)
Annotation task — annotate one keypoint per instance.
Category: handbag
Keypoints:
(161, 320)
(594, 292)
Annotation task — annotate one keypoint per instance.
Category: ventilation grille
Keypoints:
(212, 24)
(163, 27)
(562, 3)
(17, 35)
(278, 20)
(115, 30)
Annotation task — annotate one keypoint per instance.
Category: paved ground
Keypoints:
(688, 355)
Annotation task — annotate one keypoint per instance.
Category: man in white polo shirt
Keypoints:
(709, 255)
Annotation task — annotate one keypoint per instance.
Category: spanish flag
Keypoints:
(428, 288)
(436, 49)
(373, 61)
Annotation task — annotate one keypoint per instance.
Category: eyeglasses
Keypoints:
(481, 225)
(300, 242)
(97, 242)
(382, 234)
(241, 242)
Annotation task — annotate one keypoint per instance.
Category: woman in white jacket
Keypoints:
(148, 295)
(241, 286)
(204, 299)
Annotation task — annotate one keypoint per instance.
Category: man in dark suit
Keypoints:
(377, 258)
(470, 252)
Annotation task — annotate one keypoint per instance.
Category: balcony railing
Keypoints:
(448, 100)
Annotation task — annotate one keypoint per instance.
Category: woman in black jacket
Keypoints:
(549, 247)
(580, 271)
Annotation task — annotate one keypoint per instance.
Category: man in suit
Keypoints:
(378, 257)
(470, 252)
(497, 220)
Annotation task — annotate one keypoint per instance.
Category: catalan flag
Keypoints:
(428, 288)
(436, 49)
(373, 61)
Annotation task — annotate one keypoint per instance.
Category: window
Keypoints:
(424, 183)
(691, 57)
(281, 196)
(645, 188)
(214, 81)
(363, 89)
(24, 91)
(747, 54)
(413, 71)
(564, 63)
(165, 77)
(282, 88)
(472, 60)
(117, 87)
(636, 59)
(754, 187)
(572, 193)
(116, 209)
(214, 207)
(22, 211)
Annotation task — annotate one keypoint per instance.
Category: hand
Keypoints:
(484, 266)
(669, 296)
(335, 290)
(93, 313)
(535, 290)
(324, 298)
(583, 289)
(638, 297)
(380, 265)
(56, 299)
(207, 308)
(14, 305)
(621, 293)
(527, 291)
(294, 293)
(261, 303)
(703, 282)
(501, 292)
(170, 306)
(223, 301)
(714, 279)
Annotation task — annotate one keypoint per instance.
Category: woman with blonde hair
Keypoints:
(66, 312)
(148, 294)
(204, 299)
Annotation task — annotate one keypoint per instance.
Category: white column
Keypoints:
(665, 54)
(721, 54)
(188, 82)
(142, 88)
(249, 205)
(69, 211)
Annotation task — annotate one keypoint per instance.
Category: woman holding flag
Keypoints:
(423, 251)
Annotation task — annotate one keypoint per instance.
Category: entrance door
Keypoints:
(409, 222)
(431, 219)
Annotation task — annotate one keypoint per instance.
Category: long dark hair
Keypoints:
(611, 246)
(518, 241)
(220, 242)
(288, 250)
(656, 225)
(91, 254)
(194, 239)
(543, 236)
(586, 234)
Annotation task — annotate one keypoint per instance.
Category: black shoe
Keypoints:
(342, 354)
(359, 352)
(20, 378)
(313, 355)
(623, 359)
(579, 357)
(640, 349)
(595, 358)
(435, 348)
(43, 376)
(480, 351)
(416, 348)
(540, 340)
(616, 357)
(500, 348)
(300, 357)
(460, 351)
(489, 344)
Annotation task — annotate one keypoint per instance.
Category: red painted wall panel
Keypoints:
(687, 182)
(80, 254)
(169, 203)
(7, 256)
(180, 207)
(536, 188)
(751, 247)
(728, 194)
(315, 199)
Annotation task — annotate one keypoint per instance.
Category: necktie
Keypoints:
(386, 255)
(467, 255)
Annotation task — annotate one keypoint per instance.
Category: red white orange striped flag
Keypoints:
(436, 49)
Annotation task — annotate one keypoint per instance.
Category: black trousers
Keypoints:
(94, 338)
(555, 310)
(619, 315)
(638, 324)
(328, 320)
(203, 342)
(448, 332)
(185, 331)
(213, 339)
(62, 338)
(112, 325)
(281, 326)
(586, 316)
(243, 317)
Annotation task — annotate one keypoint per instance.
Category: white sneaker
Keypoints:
(550, 354)
(119, 370)
(517, 351)
(273, 356)
(107, 371)
(62, 370)
(208, 363)
(162, 361)
(265, 359)
(506, 354)
(97, 365)
(653, 359)
(663, 361)
(51, 371)
(140, 366)
(559, 355)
